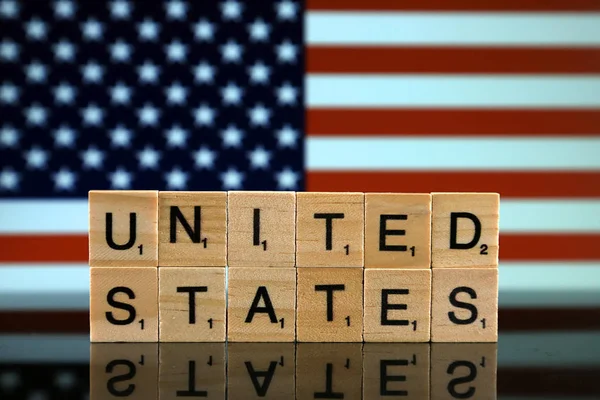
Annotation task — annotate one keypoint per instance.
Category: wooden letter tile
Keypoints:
(123, 370)
(397, 230)
(397, 305)
(261, 371)
(465, 230)
(464, 305)
(330, 305)
(192, 370)
(261, 229)
(463, 371)
(123, 228)
(123, 304)
(330, 229)
(192, 304)
(192, 229)
(261, 305)
(329, 371)
(394, 371)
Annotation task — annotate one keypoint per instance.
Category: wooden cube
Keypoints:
(261, 305)
(192, 229)
(123, 228)
(329, 371)
(123, 304)
(192, 304)
(330, 305)
(396, 371)
(330, 229)
(465, 230)
(261, 229)
(261, 370)
(397, 230)
(397, 305)
(463, 371)
(119, 370)
(464, 305)
(192, 370)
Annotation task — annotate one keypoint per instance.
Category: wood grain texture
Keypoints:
(200, 241)
(330, 229)
(386, 292)
(261, 230)
(192, 370)
(261, 305)
(261, 370)
(327, 370)
(397, 230)
(465, 370)
(204, 320)
(464, 305)
(112, 215)
(469, 211)
(119, 370)
(133, 315)
(396, 371)
(330, 305)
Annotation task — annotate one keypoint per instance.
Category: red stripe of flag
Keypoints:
(434, 60)
(514, 122)
(453, 5)
(514, 247)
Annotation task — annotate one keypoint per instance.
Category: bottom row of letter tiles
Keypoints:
(208, 304)
(287, 371)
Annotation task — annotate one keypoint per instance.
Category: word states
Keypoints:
(192, 304)
(261, 305)
(397, 305)
(463, 371)
(465, 230)
(124, 370)
(330, 305)
(261, 370)
(123, 304)
(261, 230)
(328, 371)
(192, 370)
(329, 229)
(464, 305)
(123, 228)
(397, 230)
(192, 229)
(395, 371)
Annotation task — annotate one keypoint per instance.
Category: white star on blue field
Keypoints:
(168, 95)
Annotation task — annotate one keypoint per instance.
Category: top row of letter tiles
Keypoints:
(289, 229)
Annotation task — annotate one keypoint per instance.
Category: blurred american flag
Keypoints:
(364, 95)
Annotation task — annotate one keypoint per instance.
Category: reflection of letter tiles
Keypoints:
(328, 371)
(192, 229)
(124, 370)
(465, 230)
(192, 304)
(192, 370)
(463, 371)
(329, 229)
(123, 228)
(261, 229)
(123, 304)
(330, 305)
(397, 230)
(261, 305)
(396, 371)
(261, 370)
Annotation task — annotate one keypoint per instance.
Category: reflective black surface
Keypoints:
(540, 365)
